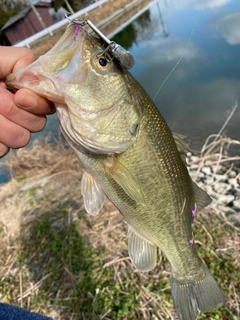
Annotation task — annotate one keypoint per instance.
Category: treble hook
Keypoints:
(117, 51)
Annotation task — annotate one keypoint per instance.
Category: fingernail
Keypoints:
(27, 101)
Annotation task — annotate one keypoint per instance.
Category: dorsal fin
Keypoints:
(182, 145)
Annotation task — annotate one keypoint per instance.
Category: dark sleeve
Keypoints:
(10, 312)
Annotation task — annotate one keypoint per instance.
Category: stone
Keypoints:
(218, 169)
(196, 175)
(194, 159)
(235, 218)
(210, 191)
(208, 180)
(193, 167)
(232, 174)
(236, 204)
(201, 184)
(206, 170)
(220, 177)
(225, 198)
(234, 182)
(226, 209)
(222, 187)
(237, 192)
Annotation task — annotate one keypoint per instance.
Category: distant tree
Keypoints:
(76, 5)
(9, 9)
(128, 36)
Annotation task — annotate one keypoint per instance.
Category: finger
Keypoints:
(3, 150)
(10, 111)
(13, 59)
(18, 137)
(27, 100)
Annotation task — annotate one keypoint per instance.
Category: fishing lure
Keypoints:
(116, 51)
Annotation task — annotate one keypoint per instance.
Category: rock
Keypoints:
(194, 159)
(193, 167)
(206, 170)
(220, 177)
(210, 191)
(237, 192)
(234, 182)
(235, 218)
(232, 174)
(218, 169)
(208, 180)
(236, 204)
(225, 198)
(195, 174)
(201, 184)
(226, 209)
(222, 187)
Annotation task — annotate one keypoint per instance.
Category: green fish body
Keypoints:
(130, 156)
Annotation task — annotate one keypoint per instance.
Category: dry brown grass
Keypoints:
(25, 209)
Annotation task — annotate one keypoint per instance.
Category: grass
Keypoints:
(58, 260)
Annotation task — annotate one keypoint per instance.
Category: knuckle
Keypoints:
(23, 138)
(11, 111)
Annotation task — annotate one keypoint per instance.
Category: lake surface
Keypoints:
(187, 52)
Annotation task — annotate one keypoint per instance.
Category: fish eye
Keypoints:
(103, 62)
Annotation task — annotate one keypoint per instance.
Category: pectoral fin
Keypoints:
(93, 195)
(125, 179)
(142, 253)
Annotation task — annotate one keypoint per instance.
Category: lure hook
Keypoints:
(117, 51)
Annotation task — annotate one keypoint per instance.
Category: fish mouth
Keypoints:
(63, 63)
(71, 76)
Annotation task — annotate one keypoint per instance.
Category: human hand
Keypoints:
(22, 112)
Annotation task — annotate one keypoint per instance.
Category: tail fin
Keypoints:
(192, 298)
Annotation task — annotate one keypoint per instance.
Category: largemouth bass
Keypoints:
(130, 156)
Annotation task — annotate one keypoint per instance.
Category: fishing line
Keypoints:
(179, 60)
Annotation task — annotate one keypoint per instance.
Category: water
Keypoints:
(196, 98)
(4, 175)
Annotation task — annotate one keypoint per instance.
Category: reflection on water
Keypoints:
(205, 84)
(201, 41)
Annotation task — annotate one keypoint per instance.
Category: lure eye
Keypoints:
(103, 62)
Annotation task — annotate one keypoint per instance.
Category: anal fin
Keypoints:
(93, 195)
(142, 253)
